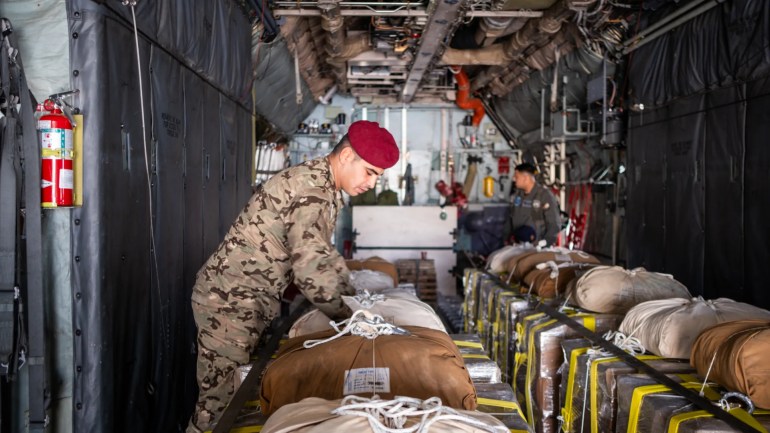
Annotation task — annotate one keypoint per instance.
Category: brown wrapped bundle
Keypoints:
(529, 262)
(512, 264)
(424, 364)
(550, 283)
(669, 327)
(739, 353)
(375, 264)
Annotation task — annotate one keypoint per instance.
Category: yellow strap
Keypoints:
(741, 414)
(471, 344)
(248, 429)
(57, 153)
(530, 365)
(475, 356)
(566, 411)
(595, 388)
(518, 360)
(501, 403)
(251, 403)
(639, 393)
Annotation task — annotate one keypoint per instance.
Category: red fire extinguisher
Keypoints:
(56, 175)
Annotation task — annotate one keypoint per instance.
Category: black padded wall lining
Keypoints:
(713, 232)
(134, 350)
(699, 151)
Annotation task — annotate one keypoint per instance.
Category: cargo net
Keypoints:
(406, 414)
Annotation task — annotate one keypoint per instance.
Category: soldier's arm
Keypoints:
(320, 272)
(552, 219)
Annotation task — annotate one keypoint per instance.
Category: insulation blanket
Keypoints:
(669, 327)
(424, 364)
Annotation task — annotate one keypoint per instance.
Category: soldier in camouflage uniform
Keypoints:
(283, 234)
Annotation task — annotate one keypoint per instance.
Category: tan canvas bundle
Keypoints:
(374, 264)
(739, 353)
(497, 260)
(669, 327)
(528, 263)
(316, 415)
(398, 307)
(614, 290)
(424, 364)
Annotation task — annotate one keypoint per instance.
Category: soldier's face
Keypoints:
(358, 176)
(523, 180)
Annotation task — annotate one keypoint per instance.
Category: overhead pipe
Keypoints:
(662, 22)
(333, 23)
(463, 99)
(663, 30)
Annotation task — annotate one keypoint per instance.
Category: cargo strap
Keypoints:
(17, 91)
(589, 321)
(641, 392)
(280, 327)
(645, 368)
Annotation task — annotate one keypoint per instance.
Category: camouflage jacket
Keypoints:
(284, 232)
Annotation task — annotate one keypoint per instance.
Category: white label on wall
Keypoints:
(362, 380)
(65, 179)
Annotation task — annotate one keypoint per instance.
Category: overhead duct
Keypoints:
(492, 28)
(464, 99)
(332, 22)
(300, 39)
(536, 32)
(562, 43)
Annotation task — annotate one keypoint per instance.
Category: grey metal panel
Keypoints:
(110, 236)
(723, 270)
(683, 249)
(275, 88)
(228, 145)
(211, 37)
(211, 166)
(169, 297)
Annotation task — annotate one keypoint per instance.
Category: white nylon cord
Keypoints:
(366, 299)
(392, 416)
(153, 252)
(627, 343)
(363, 324)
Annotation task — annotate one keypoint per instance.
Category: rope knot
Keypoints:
(363, 324)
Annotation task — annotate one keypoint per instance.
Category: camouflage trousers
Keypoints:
(227, 335)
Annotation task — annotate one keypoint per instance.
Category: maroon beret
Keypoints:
(374, 144)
